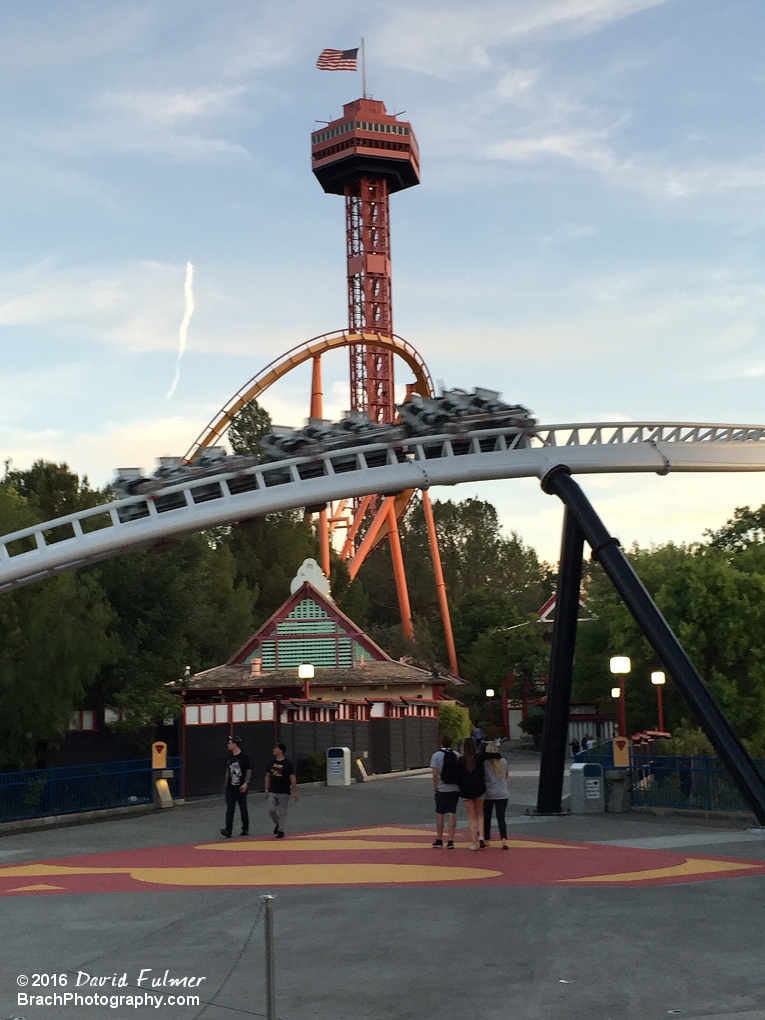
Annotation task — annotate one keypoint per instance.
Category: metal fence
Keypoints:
(685, 782)
(39, 793)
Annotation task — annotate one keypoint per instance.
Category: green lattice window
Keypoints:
(321, 653)
(307, 609)
(326, 626)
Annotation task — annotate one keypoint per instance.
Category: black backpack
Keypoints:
(450, 772)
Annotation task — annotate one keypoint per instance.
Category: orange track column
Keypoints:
(369, 538)
(317, 411)
(398, 571)
(440, 583)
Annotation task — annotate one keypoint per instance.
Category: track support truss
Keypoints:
(582, 521)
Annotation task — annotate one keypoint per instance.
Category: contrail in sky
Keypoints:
(189, 295)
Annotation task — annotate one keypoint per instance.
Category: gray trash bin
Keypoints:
(587, 788)
(617, 791)
(338, 766)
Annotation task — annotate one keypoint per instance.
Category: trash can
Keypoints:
(338, 766)
(617, 791)
(587, 788)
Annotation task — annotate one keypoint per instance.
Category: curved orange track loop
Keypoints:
(315, 347)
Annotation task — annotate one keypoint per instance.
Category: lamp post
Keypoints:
(658, 679)
(305, 673)
(620, 665)
(490, 696)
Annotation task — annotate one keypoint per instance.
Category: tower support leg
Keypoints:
(398, 571)
(605, 549)
(443, 602)
(557, 709)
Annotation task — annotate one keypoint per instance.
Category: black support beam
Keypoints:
(605, 549)
(559, 681)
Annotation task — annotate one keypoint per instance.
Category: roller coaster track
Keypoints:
(197, 504)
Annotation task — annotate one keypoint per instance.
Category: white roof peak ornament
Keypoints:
(311, 571)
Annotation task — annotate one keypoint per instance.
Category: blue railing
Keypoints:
(685, 782)
(39, 793)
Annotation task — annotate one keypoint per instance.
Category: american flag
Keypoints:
(337, 60)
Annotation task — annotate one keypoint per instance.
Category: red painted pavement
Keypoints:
(377, 856)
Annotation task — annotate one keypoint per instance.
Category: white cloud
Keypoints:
(170, 106)
(453, 40)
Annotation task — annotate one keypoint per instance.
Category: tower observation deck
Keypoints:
(367, 155)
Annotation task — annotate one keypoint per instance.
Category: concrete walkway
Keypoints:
(529, 940)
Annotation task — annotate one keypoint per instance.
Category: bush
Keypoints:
(454, 720)
(312, 769)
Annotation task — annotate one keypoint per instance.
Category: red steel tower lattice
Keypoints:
(367, 155)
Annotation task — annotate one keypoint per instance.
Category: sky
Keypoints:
(587, 237)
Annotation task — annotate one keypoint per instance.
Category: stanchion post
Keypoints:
(268, 923)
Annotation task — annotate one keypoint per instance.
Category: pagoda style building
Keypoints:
(310, 677)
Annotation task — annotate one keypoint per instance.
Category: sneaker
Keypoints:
(226, 833)
(244, 832)
(437, 843)
(276, 829)
(473, 846)
(450, 845)
(482, 844)
(279, 834)
(505, 846)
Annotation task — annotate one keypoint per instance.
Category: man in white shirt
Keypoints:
(446, 789)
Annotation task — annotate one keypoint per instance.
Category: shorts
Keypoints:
(446, 803)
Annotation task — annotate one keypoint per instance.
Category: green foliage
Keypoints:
(497, 654)
(454, 720)
(312, 769)
(248, 428)
(144, 706)
(52, 490)
(54, 639)
(533, 724)
(183, 606)
(686, 740)
(267, 552)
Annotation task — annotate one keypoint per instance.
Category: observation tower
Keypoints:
(367, 155)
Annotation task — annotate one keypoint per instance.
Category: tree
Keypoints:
(248, 428)
(267, 552)
(496, 654)
(182, 606)
(55, 637)
(53, 490)
(454, 720)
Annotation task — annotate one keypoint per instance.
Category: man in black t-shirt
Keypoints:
(238, 775)
(280, 782)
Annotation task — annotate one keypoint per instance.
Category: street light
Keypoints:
(305, 673)
(658, 679)
(490, 695)
(619, 666)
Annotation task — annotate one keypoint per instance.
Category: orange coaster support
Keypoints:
(440, 583)
(398, 572)
(370, 538)
(317, 411)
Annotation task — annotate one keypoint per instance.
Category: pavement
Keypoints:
(609, 917)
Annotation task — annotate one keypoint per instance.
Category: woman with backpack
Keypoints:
(496, 771)
(472, 785)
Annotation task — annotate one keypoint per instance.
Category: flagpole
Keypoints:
(363, 70)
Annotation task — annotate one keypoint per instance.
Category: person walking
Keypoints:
(279, 783)
(472, 786)
(575, 746)
(238, 775)
(496, 771)
(445, 766)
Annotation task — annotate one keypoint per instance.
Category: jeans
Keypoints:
(500, 806)
(233, 797)
(277, 808)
